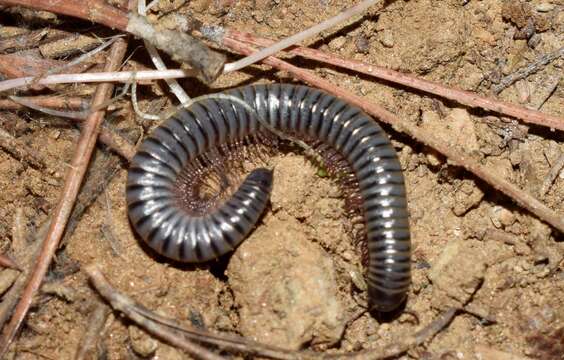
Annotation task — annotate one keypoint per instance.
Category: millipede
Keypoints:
(172, 223)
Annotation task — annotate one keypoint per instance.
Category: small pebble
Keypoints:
(141, 342)
(433, 159)
(387, 39)
(516, 157)
(545, 7)
(501, 217)
(338, 43)
(362, 44)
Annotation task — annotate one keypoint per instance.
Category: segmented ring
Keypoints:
(168, 228)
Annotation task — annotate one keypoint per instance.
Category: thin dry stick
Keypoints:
(552, 174)
(453, 154)
(121, 76)
(82, 57)
(94, 327)
(406, 343)
(107, 137)
(174, 86)
(7, 261)
(299, 37)
(50, 101)
(61, 214)
(93, 10)
(530, 69)
(66, 114)
(461, 96)
(180, 46)
(20, 151)
(125, 305)
(225, 341)
(117, 143)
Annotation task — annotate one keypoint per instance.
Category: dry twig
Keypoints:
(20, 151)
(49, 101)
(122, 76)
(22, 41)
(525, 71)
(406, 343)
(461, 96)
(126, 306)
(61, 215)
(87, 348)
(552, 174)
(180, 46)
(18, 65)
(107, 137)
(65, 114)
(167, 330)
(7, 261)
(301, 36)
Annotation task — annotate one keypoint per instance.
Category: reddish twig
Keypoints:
(23, 41)
(117, 143)
(179, 45)
(61, 215)
(93, 10)
(461, 96)
(127, 306)
(107, 137)
(8, 262)
(17, 65)
(455, 155)
(50, 101)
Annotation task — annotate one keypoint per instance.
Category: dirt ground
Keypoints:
(297, 281)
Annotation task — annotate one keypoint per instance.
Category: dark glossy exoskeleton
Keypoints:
(167, 227)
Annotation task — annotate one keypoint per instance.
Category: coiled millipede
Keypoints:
(172, 228)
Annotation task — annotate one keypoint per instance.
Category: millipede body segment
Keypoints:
(174, 230)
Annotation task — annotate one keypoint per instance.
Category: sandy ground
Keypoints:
(297, 281)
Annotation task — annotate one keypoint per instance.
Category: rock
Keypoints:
(544, 7)
(501, 217)
(457, 273)
(433, 157)
(456, 129)
(338, 43)
(467, 196)
(169, 353)
(485, 36)
(462, 129)
(285, 288)
(141, 342)
(362, 44)
(387, 38)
